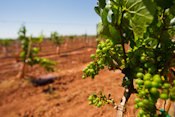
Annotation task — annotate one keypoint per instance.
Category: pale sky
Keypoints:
(67, 17)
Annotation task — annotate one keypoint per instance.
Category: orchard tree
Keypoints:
(41, 36)
(1, 43)
(146, 26)
(29, 53)
(5, 43)
(56, 39)
(72, 37)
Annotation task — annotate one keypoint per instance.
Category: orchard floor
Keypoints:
(21, 98)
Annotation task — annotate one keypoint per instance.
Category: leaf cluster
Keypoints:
(56, 38)
(5, 42)
(29, 54)
(99, 101)
(147, 27)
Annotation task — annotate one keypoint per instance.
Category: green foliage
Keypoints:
(147, 26)
(141, 14)
(72, 36)
(56, 38)
(5, 42)
(29, 54)
(101, 100)
(106, 55)
(1, 41)
(97, 41)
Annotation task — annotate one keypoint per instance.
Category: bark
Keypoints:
(17, 51)
(22, 71)
(40, 46)
(127, 93)
(58, 50)
(5, 50)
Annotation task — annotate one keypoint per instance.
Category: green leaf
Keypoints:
(108, 5)
(104, 17)
(108, 32)
(100, 27)
(164, 3)
(172, 22)
(132, 43)
(110, 13)
(128, 33)
(159, 23)
(126, 81)
(38, 40)
(152, 42)
(102, 3)
(114, 34)
(128, 76)
(96, 8)
(172, 8)
(165, 41)
(141, 15)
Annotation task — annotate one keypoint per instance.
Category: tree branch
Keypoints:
(164, 28)
(127, 93)
(121, 37)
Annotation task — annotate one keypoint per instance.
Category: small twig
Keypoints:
(29, 49)
(117, 23)
(121, 37)
(164, 27)
(164, 105)
(168, 106)
(159, 40)
(174, 108)
(128, 114)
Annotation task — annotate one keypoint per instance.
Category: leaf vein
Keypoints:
(141, 8)
(134, 4)
(139, 14)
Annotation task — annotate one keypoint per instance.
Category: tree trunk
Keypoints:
(57, 49)
(17, 55)
(127, 93)
(5, 50)
(65, 45)
(22, 71)
(40, 46)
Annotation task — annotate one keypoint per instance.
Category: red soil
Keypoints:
(20, 98)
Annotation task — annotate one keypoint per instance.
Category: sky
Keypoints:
(67, 17)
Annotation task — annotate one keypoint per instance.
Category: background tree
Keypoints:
(29, 54)
(72, 37)
(41, 36)
(5, 43)
(56, 39)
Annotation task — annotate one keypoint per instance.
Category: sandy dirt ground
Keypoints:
(67, 95)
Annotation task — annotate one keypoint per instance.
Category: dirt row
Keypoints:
(66, 95)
